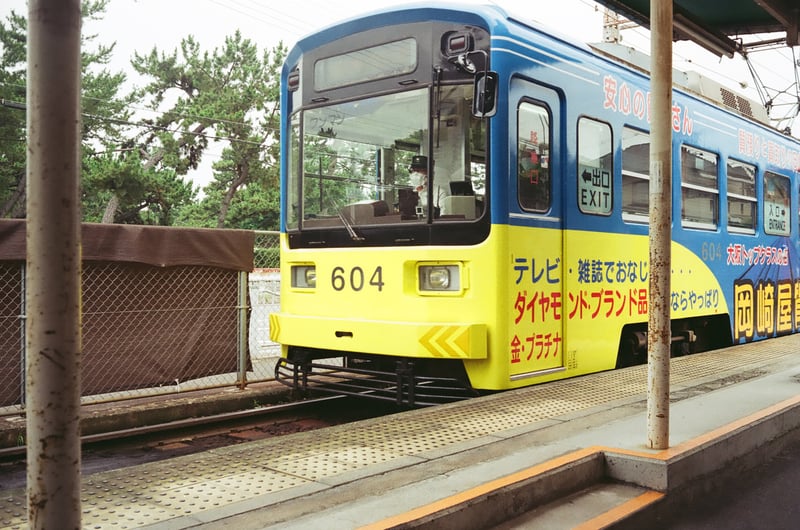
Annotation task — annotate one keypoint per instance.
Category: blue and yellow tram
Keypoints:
(465, 206)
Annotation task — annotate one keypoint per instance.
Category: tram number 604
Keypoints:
(711, 251)
(357, 278)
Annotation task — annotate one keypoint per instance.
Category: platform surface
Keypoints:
(374, 473)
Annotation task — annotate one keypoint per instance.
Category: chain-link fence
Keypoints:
(267, 251)
(153, 330)
(12, 334)
(265, 297)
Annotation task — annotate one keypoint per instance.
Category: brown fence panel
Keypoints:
(146, 326)
(160, 309)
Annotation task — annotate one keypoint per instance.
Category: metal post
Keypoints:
(53, 341)
(243, 335)
(22, 335)
(659, 335)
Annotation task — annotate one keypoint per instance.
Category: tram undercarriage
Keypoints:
(406, 381)
(415, 382)
(691, 335)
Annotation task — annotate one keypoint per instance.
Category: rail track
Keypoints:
(118, 449)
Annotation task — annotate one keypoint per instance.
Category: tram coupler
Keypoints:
(405, 377)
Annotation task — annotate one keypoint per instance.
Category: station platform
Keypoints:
(568, 454)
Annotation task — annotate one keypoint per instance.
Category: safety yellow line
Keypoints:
(616, 514)
(477, 491)
(607, 518)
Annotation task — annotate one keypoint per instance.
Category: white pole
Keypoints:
(659, 334)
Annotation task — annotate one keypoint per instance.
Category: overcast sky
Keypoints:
(139, 25)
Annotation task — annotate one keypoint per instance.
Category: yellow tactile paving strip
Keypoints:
(155, 492)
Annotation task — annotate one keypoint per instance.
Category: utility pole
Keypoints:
(613, 25)
(659, 333)
(52, 272)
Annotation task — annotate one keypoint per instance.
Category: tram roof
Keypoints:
(718, 25)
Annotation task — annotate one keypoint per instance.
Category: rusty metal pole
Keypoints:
(243, 330)
(659, 334)
(53, 342)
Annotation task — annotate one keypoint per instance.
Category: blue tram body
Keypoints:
(524, 257)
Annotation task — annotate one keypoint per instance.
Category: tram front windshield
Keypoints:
(411, 157)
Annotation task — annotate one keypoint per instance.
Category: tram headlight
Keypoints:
(439, 278)
(304, 276)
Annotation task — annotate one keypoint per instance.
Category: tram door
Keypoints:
(536, 331)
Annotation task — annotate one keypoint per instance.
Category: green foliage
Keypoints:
(229, 96)
(267, 257)
(100, 101)
(133, 169)
(254, 207)
(145, 195)
(12, 116)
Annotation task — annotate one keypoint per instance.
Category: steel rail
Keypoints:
(182, 424)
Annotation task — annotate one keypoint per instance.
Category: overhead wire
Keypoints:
(268, 16)
(768, 95)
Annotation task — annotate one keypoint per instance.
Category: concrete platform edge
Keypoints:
(687, 462)
(120, 415)
(712, 465)
(502, 499)
(675, 476)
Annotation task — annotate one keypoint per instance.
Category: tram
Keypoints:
(465, 201)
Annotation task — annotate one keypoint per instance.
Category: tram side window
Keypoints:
(533, 157)
(699, 188)
(595, 170)
(635, 175)
(776, 204)
(741, 179)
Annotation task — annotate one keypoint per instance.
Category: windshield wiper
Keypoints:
(437, 111)
(353, 235)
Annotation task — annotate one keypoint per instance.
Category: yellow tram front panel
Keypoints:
(437, 340)
(388, 311)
